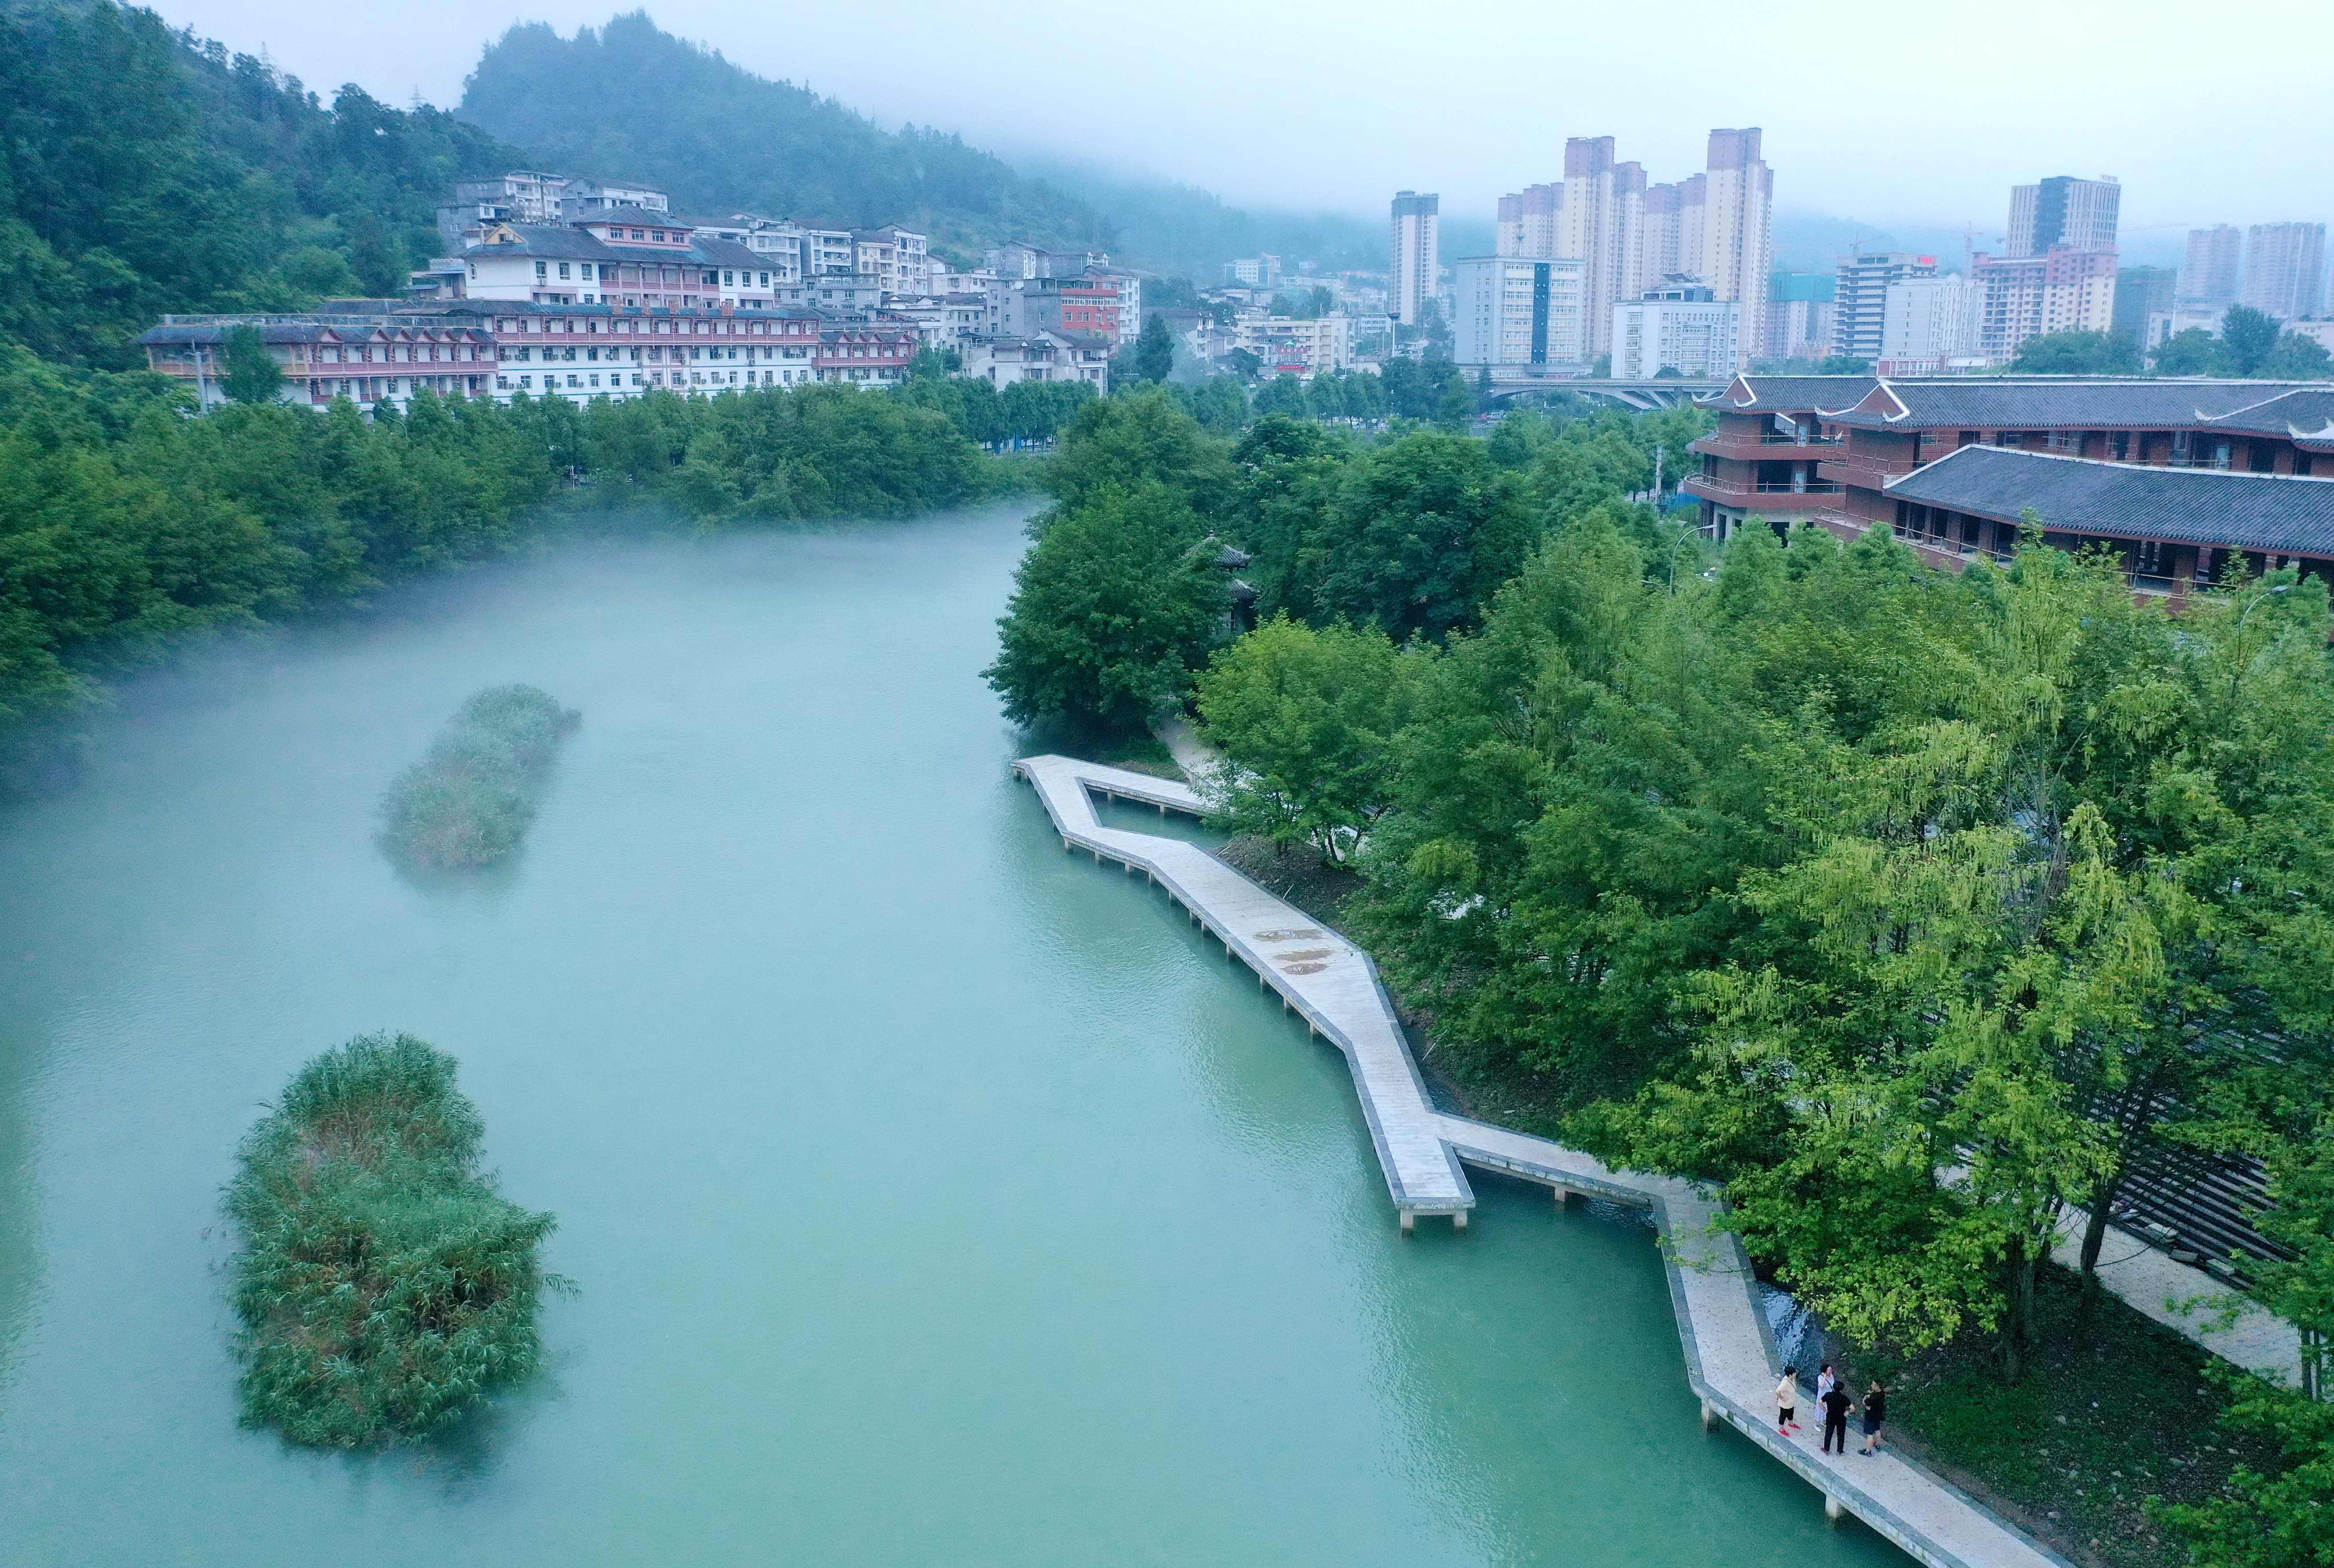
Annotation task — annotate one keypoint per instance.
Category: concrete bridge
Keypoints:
(1642, 394)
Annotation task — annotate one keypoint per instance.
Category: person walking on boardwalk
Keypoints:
(1837, 1401)
(1875, 1414)
(1787, 1401)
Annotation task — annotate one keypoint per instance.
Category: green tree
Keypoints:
(1419, 535)
(1136, 439)
(1284, 394)
(2247, 337)
(1305, 719)
(2294, 358)
(1456, 406)
(1113, 609)
(2192, 352)
(1154, 349)
(2078, 353)
(253, 376)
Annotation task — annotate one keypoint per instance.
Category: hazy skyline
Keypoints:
(1311, 106)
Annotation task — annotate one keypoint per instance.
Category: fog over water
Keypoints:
(933, 1196)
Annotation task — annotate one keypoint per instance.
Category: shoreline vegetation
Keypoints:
(385, 1288)
(470, 800)
(129, 526)
(1908, 906)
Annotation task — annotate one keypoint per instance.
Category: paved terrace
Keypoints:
(1731, 1364)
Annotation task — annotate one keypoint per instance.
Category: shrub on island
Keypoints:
(384, 1285)
(471, 799)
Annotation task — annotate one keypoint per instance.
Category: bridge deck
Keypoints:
(1730, 1358)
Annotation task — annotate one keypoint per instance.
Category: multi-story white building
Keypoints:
(1860, 298)
(1415, 264)
(1927, 324)
(1002, 358)
(2285, 269)
(2185, 315)
(625, 256)
(1678, 327)
(1304, 346)
(1520, 310)
(1255, 271)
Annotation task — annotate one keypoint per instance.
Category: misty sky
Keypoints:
(1883, 112)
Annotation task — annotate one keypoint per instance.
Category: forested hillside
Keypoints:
(723, 140)
(143, 171)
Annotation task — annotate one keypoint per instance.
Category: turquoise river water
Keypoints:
(932, 1197)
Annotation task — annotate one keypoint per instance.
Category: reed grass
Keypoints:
(384, 1287)
(471, 799)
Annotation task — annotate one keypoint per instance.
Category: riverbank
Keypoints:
(2116, 1411)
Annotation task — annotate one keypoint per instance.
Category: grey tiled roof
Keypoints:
(2307, 411)
(2060, 403)
(2280, 513)
(1787, 394)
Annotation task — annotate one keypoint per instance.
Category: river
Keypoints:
(931, 1197)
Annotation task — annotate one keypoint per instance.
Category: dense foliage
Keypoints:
(143, 171)
(1916, 908)
(471, 799)
(1411, 536)
(722, 140)
(124, 523)
(384, 1285)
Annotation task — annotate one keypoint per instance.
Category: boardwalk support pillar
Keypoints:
(1409, 1221)
(1459, 1219)
(1709, 1417)
(1832, 1510)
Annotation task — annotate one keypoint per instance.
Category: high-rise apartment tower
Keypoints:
(2215, 268)
(1738, 205)
(1415, 264)
(2065, 212)
(2285, 269)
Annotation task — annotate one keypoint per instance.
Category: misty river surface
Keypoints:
(932, 1197)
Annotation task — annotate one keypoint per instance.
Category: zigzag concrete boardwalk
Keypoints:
(1730, 1358)
(1319, 973)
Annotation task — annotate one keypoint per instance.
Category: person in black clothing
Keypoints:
(1836, 1402)
(1875, 1414)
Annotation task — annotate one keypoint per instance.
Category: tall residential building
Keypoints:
(1860, 298)
(1738, 242)
(1415, 264)
(2215, 264)
(2141, 293)
(1528, 221)
(2066, 212)
(1672, 245)
(1926, 323)
(2022, 297)
(1517, 311)
(1600, 223)
(2285, 269)
(1678, 327)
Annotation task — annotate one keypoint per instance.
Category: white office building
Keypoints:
(1678, 327)
(1520, 310)
(1926, 324)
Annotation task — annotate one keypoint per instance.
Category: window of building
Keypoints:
(563, 269)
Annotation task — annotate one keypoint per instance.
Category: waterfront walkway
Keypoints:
(1730, 1358)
